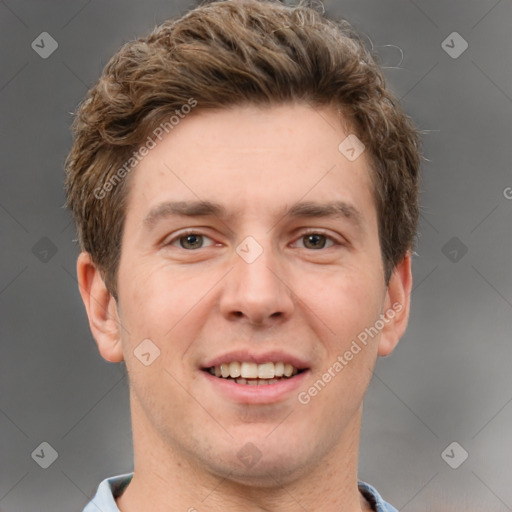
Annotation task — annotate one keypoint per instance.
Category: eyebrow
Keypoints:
(307, 209)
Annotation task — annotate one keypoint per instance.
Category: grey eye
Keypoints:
(191, 241)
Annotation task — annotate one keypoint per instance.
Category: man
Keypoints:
(245, 191)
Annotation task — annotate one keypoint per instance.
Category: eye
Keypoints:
(316, 240)
(190, 241)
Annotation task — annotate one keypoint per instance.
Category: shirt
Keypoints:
(113, 487)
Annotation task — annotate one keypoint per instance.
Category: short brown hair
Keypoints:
(227, 53)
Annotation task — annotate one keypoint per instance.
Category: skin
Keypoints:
(195, 304)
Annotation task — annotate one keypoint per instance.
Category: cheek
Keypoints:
(346, 301)
(144, 290)
(166, 307)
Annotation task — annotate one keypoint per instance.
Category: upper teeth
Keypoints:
(254, 370)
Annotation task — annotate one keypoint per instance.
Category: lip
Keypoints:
(266, 394)
(276, 356)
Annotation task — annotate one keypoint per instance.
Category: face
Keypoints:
(251, 239)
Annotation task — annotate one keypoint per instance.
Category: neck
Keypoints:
(165, 479)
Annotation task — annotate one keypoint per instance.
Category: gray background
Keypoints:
(449, 379)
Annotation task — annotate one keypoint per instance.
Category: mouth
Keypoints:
(247, 373)
(250, 378)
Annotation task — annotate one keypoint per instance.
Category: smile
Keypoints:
(254, 374)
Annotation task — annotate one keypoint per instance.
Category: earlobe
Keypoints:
(101, 309)
(396, 306)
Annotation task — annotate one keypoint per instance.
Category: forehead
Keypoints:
(255, 161)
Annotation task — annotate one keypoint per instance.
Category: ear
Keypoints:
(396, 306)
(101, 309)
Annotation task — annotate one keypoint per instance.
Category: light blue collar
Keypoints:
(111, 488)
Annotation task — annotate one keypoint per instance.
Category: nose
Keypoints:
(256, 291)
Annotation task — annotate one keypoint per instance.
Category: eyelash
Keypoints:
(303, 234)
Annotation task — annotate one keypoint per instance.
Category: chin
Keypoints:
(263, 463)
(268, 473)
